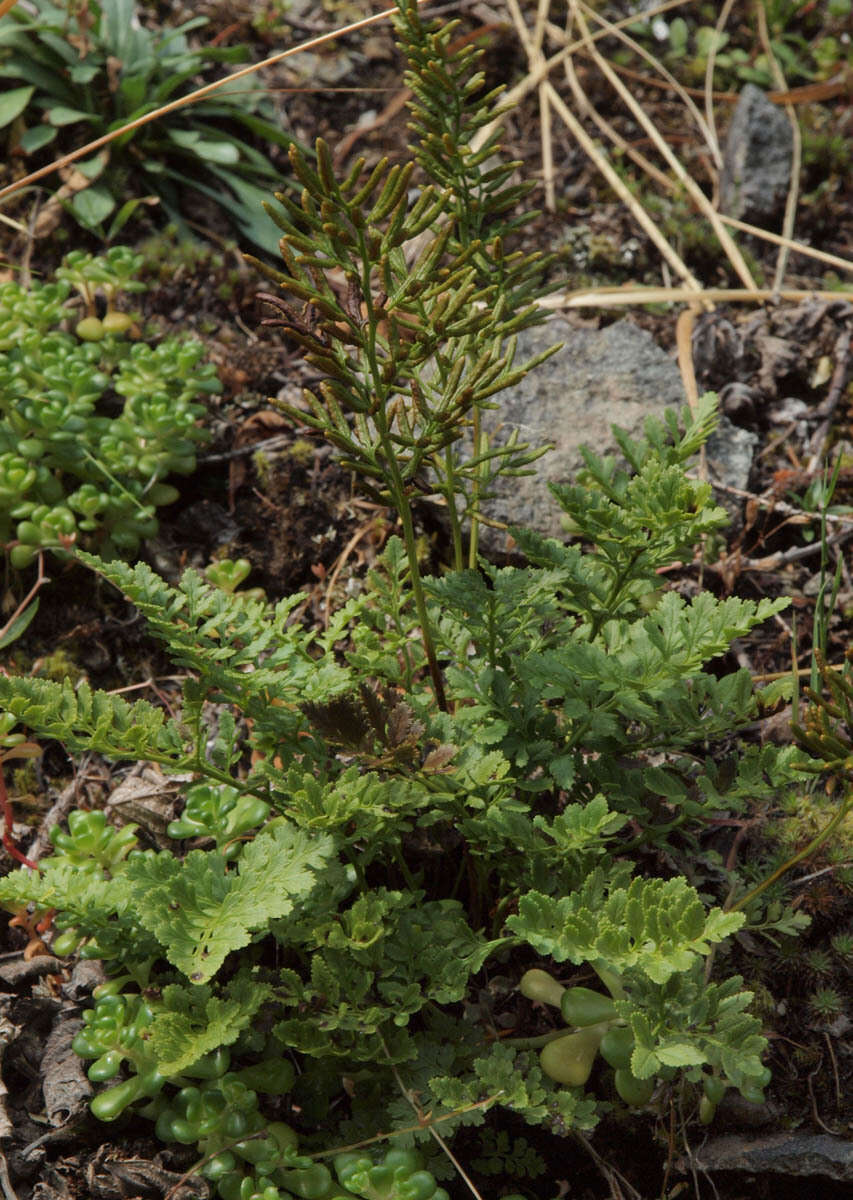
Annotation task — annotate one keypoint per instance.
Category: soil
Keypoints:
(274, 494)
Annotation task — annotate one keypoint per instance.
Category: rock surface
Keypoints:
(600, 377)
(756, 159)
(730, 451)
(786, 1154)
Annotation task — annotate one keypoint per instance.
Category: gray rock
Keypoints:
(600, 377)
(784, 1154)
(730, 451)
(756, 159)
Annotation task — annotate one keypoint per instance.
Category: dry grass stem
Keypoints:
(709, 72)
(596, 155)
(667, 76)
(622, 296)
(536, 57)
(833, 260)
(693, 190)
(796, 151)
(602, 163)
(586, 109)
(684, 341)
(533, 78)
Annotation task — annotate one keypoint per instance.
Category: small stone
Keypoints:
(730, 452)
(756, 160)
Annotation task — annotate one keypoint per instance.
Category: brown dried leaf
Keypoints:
(402, 728)
(64, 1084)
(438, 758)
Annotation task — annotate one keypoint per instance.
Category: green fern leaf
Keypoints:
(83, 720)
(659, 927)
(200, 911)
(194, 1022)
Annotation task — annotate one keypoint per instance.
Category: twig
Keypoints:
(58, 811)
(5, 1181)
(781, 506)
(824, 870)
(136, 687)
(815, 1113)
(408, 1095)
(833, 1060)
(41, 580)
(773, 561)
(269, 443)
(361, 532)
(607, 1169)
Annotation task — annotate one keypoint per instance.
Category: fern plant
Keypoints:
(457, 769)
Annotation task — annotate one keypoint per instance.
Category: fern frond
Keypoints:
(659, 927)
(194, 1021)
(83, 719)
(200, 911)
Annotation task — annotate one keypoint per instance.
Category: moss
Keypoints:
(302, 451)
(826, 152)
(24, 779)
(57, 666)
(263, 469)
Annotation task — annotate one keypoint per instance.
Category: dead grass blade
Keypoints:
(709, 69)
(693, 190)
(593, 152)
(796, 151)
(534, 77)
(657, 66)
(833, 260)
(623, 296)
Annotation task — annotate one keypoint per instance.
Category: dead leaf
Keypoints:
(64, 1084)
(147, 797)
(438, 758)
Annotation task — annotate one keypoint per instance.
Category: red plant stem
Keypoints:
(8, 823)
(40, 581)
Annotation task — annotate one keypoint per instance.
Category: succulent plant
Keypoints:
(91, 422)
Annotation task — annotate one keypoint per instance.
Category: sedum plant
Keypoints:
(91, 422)
(459, 770)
